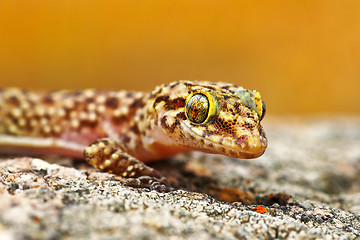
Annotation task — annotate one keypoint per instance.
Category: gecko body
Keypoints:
(132, 128)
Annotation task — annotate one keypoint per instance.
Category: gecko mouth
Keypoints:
(248, 147)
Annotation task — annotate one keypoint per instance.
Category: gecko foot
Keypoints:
(152, 183)
(108, 155)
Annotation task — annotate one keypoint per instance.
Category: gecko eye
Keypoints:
(260, 105)
(263, 110)
(200, 107)
(253, 100)
(197, 108)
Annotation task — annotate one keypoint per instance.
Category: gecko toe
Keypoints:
(151, 183)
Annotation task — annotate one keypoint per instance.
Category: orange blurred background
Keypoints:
(303, 56)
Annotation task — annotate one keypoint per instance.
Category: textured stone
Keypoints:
(317, 162)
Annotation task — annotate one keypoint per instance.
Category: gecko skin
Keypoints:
(132, 128)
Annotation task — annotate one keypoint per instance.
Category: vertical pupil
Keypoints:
(197, 108)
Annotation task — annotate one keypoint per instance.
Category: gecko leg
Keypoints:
(108, 155)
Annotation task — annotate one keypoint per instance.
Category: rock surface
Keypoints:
(306, 186)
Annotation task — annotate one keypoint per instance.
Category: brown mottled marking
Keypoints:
(125, 139)
(249, 126)
(129, 94)
(181, 115)
(169, 127)
(138, 103)
(161, 99)
(14, 100)
(163, 122)
(47, 99)
(175, 103)
(135, 129)
(120, 119)
(89, 100)
(112, 102)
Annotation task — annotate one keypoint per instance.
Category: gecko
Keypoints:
(121, 131)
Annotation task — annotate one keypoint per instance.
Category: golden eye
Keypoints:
(260, 105)
(252, 99)
(200, 107)
(197, 108)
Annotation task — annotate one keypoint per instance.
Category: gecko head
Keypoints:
(212, 117)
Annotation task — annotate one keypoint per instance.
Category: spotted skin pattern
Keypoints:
(132, 128)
